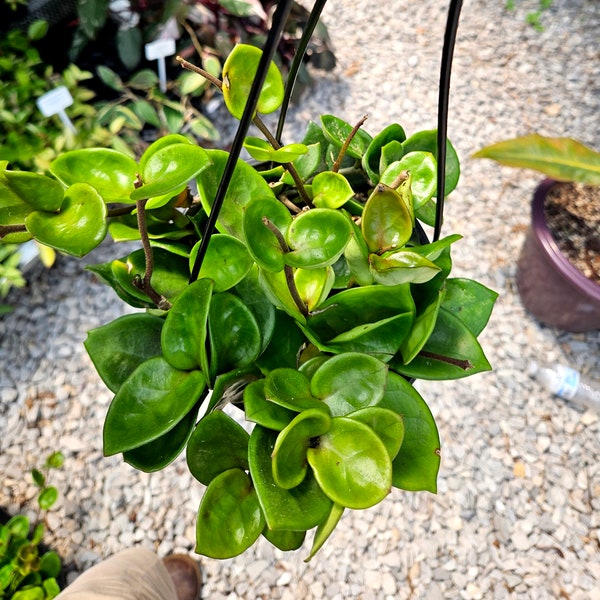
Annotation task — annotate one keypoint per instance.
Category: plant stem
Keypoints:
(191, 67)
(340, 158)
(8, 229)
(289, 272)
(465, 365)
(143, 283)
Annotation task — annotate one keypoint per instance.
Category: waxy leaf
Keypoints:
(563, 159)
(298, 509)
(338, 131)
(15, 214)
(184, 333)
(349, 381)
(161, 452)
(325, 529)
(416, 465)
(226, 263)
(169, 168)
(37, 191)
(356, 254)
(78, 228)
(238, 75)
(331, 190)
(402, 266)
(314, 285)
(351, 464)
(277, 291)
(386, 221)
(289, 454)
(387, 424)
(262, 243)
(229, 518)
(422, 167)
(470, 301)
(263, 412)
(159, 144)
(150, 403)
(451, 352)
(317, 238)
(285, 540)
(110, 172)
(234, 334)
(217, 444)
(262, 151)
(119, 347)
(291, 389)
(372, 156)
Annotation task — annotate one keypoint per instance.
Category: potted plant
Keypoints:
(558, 273)
(299, 293)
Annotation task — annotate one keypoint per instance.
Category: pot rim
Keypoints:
(545, 239)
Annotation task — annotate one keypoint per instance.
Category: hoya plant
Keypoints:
(286, 305)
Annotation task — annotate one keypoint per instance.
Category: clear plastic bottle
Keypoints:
(568, 383)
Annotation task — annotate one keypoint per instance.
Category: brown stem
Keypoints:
(340, 158)
(143, 283)
(400, 179)
(193, 37)
(120, 211)
(191, 67)
(8, 229)
(288, 271)
(465, 365)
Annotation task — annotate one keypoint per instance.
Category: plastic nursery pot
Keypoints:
(551, 288)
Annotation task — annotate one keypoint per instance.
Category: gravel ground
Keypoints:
(517, 512)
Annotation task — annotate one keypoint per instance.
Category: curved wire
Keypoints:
(443, 102)
(311, 23)
(279, 19)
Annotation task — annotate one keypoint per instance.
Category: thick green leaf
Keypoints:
(263, 412)
(386, 221)
(285, 540)
(291, 389)
(317, 238)
(161, 452)
(387, 424)
(351, 464)
(416, 466)
(289, 454)
(159, 144)
(47, 497)
(402, 266)
(426, 141)
(470, 301)
(79, 226)
(348, 382)
(150, 403)
(38, 191)
(230, 519)
(325, 529)
(451, 352)
(169, 168)
(298, 509)
(245, 185)
(261, 241)
(50, 564)
(422, 167)
(119, 347)
(229, 387)
(356, 254)
(306, 164)
(563, 159)
(238, 75)
(276, 289)
(262, 151)
(226, 263)
(314, 285)
(183, 336)
(217, 444)
(331, 190)
(234, 334)
(372, 156)
(110, 172)
(338, 131)
(15, 214)
(285, 343)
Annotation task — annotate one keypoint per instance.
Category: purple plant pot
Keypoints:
(551, 288)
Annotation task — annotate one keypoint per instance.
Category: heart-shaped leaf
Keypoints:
(38, 191)
(349, 381)
(229, 518)
(169, 168)
(422, 167)
(261, 241)
(226, 263)
(417, 463)
(289, 454)
(386, 222)
(151, 401)
(351, 464)
(291, 389)
(298, 509)
(161, 452)
(79, 226)
(325, 529)
(217, 444)
(262, 151)
(234, 334)
(184, 333)
(263, 412)
(110, 172)
(119, 347)
(317, 238)
(238, 75)
(387, 424)
(331, 190)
